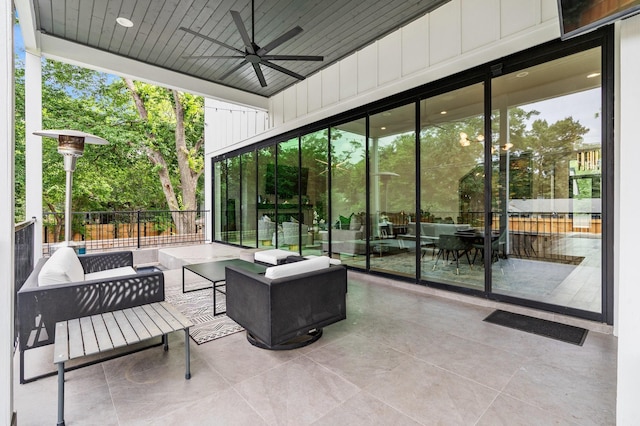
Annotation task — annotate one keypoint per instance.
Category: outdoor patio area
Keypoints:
(406, 354)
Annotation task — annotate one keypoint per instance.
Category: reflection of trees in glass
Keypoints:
(444, 161)
(348, 168)
(551, 147)
(314, 160)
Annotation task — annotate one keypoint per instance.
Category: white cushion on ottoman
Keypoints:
(273, 257)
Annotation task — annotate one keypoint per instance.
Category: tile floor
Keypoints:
(401, 357)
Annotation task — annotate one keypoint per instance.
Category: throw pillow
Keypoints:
(62, 267)
(345, 221)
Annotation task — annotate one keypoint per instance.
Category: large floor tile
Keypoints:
(298, 392)
(365, 410)
(432, 395)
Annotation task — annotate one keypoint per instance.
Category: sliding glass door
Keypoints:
(451, 220)
(548, 178)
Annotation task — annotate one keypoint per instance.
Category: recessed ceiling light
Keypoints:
(443, 112)
(383, 128)
(124, 22)
(593, 74)
(522, 74)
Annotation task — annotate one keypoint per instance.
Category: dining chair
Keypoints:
(451, 244)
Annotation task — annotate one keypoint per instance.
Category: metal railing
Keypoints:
(23, 263)
(548, 236)
(103, 230)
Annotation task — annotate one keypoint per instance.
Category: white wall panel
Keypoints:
(289, 100)
(444, 33)
(330, 86)
(415, 46)
(457, 36)
(480, 23)
(276, 109)
(301, 98)
(367, 68)
(390, 58)
(314, 92)
(518, 15)
(628, 204)
(549, 10)
(348, 76)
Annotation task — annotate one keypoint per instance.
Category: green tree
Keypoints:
(118, 176)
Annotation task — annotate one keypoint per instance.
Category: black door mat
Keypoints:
(554, 330)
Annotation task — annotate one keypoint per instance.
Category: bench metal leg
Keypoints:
(60, 394)
(165, 342)
(187, 353)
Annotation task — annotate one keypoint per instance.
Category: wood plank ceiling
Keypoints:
(331, 28)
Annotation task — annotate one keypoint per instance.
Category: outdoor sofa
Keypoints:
(65, 286)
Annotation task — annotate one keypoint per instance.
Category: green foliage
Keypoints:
(118, 176)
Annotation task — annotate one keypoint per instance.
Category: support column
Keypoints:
(7, 198)
(33, 154)
(627, 320)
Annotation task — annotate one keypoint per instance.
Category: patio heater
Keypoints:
(71, 146)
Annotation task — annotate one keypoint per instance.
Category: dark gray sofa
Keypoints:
(287, 312)
(40, 307)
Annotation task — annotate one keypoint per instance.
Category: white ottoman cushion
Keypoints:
(273, 257)
(296, 268)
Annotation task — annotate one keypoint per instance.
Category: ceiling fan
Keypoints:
(254, 54)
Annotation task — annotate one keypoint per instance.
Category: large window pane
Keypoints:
(452, 187)
(232, 206)
(546, 192)
(220, 196)
(392, 189)
(348, 198)
(286, 177)
(249, 196)
(313, 188)
(266, 197)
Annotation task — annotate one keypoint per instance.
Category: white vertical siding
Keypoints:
(457, 36)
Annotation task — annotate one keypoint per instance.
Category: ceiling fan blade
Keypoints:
(277, 42)
(293, 58)
(212, 40)
(234, 69)
(260, 75)
(243, 32)
(283, 70)
(210, 57)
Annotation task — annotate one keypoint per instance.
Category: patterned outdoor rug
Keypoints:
(198, 307)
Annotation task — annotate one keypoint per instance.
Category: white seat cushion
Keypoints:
(296, 268)
(272, 257)
(110, 273)
(331, 260)
(62, 267)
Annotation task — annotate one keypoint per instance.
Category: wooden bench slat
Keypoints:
(148, 321)
(141, 331)
(102, 334)
(127, 331)
(76, 348)
(157, 319)
(183, 321)
(117, 338)
(61, 348)
(88, 336)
